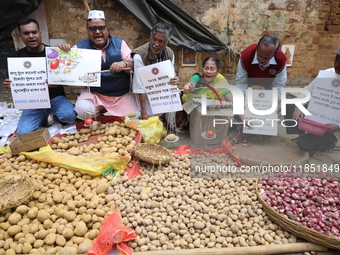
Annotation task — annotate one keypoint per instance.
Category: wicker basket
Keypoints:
(14, 190)
(297, 229)
(253, 161)
(153, 153)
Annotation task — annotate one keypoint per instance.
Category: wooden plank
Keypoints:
(250, 250)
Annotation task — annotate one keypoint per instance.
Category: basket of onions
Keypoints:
(308, 207)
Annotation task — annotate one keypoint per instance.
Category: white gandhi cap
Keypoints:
(96, 15)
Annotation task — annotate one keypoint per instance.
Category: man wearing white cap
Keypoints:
(113, 95)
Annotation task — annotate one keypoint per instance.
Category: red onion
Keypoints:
(312, 202)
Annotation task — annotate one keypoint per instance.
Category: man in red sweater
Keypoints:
(262, 64)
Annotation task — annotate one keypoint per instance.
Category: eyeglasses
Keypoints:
(207, 69)
(94, 29)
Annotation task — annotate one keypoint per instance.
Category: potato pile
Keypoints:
(63, 216)
(112, 137)
(170, 210)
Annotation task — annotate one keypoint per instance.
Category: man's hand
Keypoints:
(278, 111)
(332, 128)
(117, 67)
(144, 117)
(297, 113)
(65, 47)
(7, 83)
(174, 81)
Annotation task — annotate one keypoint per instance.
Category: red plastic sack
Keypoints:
(112, 237)
(133, 171)
(225, 147)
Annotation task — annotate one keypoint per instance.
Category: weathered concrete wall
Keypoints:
(311, 25)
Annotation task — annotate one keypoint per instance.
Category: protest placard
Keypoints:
(73, 67)
(261, 124)
(29, 88)
(161, 95)
(325, 102)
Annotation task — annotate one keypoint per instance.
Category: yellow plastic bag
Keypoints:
(91, 165)
(4, 149)
(152, 129)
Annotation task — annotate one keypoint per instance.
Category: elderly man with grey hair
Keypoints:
(150, 53)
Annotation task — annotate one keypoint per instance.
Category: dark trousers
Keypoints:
(289, 115)
(308, 142)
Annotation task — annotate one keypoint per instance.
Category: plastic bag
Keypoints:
(152, 129)
(91, 165)
(112, 237)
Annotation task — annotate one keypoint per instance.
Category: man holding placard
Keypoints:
(61, 108)
(152, 52)
(113, 95)
(311, 142)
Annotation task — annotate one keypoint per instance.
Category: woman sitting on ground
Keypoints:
(208, 76)
(200, 82)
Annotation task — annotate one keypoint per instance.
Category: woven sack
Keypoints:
(152, 153)
(297, 229)
(14, 190)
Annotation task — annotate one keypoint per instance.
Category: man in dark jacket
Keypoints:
(61, 108)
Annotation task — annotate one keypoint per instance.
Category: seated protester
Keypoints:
(310, 142)
(150, 53)
(113, 95)
(61, 108)
(208, 76)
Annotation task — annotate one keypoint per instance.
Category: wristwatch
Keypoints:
(126, 63)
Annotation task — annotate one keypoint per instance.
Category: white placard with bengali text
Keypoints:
(74, 67)
(29, 88)
(325, 102)
(161, 95)
(262, 124)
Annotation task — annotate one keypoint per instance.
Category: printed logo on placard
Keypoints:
(335, 83)
(261, 95)
(27, 64)
(155, 71)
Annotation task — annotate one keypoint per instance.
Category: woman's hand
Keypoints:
(188, 87)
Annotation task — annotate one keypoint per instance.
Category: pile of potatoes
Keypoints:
(63, 216)
(113, 137)
(168, 209)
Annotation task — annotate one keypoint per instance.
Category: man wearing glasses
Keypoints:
(113, 95)
(61, 109)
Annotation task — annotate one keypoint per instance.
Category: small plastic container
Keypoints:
(312, 127)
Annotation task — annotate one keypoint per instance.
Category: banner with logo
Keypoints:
(161, 95)
(261, 124)
(29, 88)
(325, 102)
